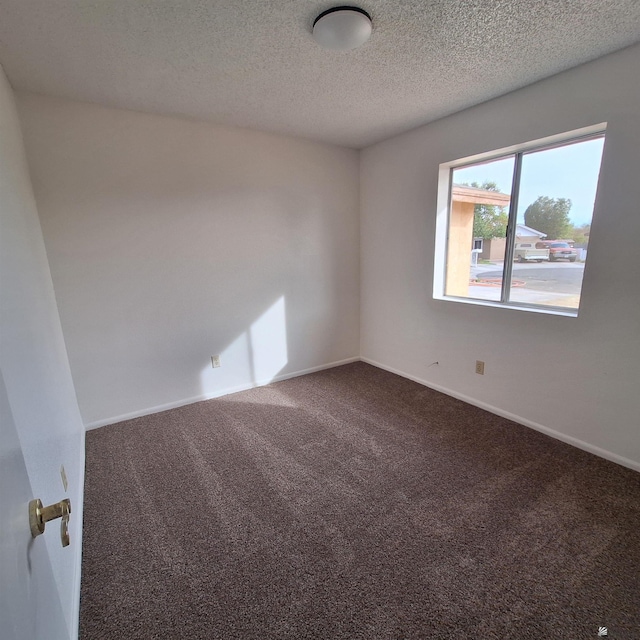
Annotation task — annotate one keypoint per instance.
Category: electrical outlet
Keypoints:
(215, 361)
(480, 367)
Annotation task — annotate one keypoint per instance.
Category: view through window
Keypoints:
(518, 226)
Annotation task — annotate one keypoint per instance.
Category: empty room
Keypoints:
(319, 321)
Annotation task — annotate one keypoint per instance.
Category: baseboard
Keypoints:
(580, 444)
(209, 396)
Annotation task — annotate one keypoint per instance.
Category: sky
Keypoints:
(563, 172)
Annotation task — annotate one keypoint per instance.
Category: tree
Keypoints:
(580, 234)
(550, 216)
(489, 220)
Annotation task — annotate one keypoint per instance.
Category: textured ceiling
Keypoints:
(253, 63)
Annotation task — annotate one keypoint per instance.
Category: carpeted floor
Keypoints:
(349, 504)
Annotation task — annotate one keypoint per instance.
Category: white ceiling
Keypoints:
(253, 63)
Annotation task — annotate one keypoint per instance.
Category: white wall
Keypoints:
(41, 428)
(170, 241)
(578, 377)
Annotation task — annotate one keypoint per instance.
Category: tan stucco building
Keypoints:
(463, 202)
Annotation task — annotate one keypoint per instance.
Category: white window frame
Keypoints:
(443, 206)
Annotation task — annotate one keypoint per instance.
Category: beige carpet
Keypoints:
(352, 503)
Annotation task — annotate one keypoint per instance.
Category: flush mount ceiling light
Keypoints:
(342, 28)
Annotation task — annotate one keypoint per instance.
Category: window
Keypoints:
(514, 226)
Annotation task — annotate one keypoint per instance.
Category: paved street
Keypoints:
(554, 283)
(560, 277)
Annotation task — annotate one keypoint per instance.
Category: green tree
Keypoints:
(580, 234)
(489, 220)
(550, 216)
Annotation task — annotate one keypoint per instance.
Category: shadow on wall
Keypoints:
(249, 279)
(262, 350)
(172, 241)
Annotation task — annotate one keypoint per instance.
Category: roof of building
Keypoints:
(475, 195)
(523, 230)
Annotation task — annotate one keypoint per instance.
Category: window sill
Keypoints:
(551, 311)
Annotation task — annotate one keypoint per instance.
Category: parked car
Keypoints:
(527, 252)
(558, 250)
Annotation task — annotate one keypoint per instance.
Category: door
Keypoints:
(41, 432)
(29, 591)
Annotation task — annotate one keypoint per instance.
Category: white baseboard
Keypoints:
(219, 393)
(580, 444)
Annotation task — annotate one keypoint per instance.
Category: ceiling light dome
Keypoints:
(342, 28)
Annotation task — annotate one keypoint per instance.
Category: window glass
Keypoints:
(526, 248)
(478, 216)
(555, 203)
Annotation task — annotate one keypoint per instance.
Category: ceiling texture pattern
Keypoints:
(254, 63)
